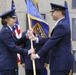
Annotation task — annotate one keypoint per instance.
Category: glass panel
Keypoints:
(74, 29)
(73, 4)
(75, 61)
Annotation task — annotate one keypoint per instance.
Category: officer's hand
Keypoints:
(30, 35)
(33, 56)
(29, 32)
(45, 65)
(32, 51)
(23, 65)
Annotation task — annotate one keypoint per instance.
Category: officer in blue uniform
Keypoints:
(8, 45)
(59, 44)
(27, 62)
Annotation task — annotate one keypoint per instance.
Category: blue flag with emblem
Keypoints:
(67, 12)
(37, 21)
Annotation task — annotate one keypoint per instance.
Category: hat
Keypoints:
(10, 13)
(57, 7)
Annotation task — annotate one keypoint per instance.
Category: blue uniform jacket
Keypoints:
(59, 46)
(38, 62)
(8, 49)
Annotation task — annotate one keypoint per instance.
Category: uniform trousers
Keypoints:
(61, 72)
(44, 71)
(30, 72)
(9, 72)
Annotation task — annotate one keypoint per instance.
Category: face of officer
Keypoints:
(11, 21)
(56, 15)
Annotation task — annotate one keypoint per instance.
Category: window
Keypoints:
(74, 51)
(74, 4)
(74, 29)
(44, 16)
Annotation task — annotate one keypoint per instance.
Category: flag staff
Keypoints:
(33, 61)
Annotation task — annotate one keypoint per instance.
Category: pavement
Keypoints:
(22, 71)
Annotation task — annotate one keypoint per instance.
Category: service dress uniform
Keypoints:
(59, 45)
(8, 47)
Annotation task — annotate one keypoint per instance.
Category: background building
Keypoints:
(44, 8)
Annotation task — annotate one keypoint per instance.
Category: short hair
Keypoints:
(62, 11)
(4, 21)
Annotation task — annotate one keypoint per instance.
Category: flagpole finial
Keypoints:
(37, 1)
